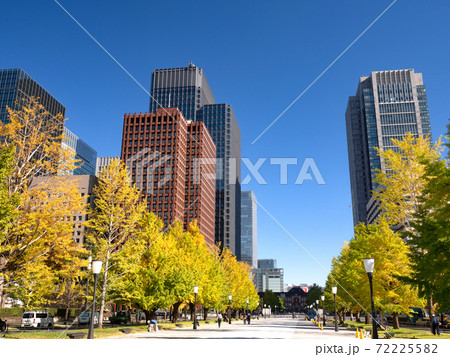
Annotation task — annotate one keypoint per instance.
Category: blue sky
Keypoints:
(258, 56)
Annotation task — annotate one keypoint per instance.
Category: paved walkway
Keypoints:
(273, 328)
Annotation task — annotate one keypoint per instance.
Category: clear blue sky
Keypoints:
(258, 56)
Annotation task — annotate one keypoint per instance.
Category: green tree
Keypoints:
(430, 237)
(314, 293)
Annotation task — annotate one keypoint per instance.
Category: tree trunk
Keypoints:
(175, 308)
(351, 316)
(367, 318)
(205, 313)
(66, 316)
(380, 313)
(430, 311)
(395, 323)
(103, 296)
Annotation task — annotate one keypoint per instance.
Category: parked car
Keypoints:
(37, 319)
(119, 317)
(85, 318)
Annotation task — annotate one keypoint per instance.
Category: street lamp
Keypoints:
(89, 267)
(323, 309)
(96, 268)
(368, 265)
(334, 291)
(229, 309)
(317, 309)
(195, 307)
(247, 306)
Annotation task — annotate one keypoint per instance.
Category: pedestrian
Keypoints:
(219, 319)
(435, 325)
(248, 318)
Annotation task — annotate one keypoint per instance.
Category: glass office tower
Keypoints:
(248, 228)
(387, 105)
(15, 85)
(83, 153)
(187, 89)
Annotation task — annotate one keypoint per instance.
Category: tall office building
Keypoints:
(16, 85)
(387, 105)
(166, 157)
(187, 89)
(248, 228)
(84, 154)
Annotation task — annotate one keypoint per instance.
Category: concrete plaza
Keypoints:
(271, 328)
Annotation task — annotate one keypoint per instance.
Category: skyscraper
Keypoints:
(83, 153)
(387, 105)
(16, 85)
(268, 277)
(164, 153)
(248, 228)
(187, 89)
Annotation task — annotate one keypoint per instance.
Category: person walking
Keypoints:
(435, 325)
(248, 318)
(219, 319)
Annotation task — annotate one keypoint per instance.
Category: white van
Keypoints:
(85, 318)
(36, 319)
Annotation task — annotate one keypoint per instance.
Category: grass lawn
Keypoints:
(99, 333)
(400, 333)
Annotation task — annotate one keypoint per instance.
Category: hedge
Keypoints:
(18, 311)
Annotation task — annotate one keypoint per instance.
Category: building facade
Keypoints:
(295, 299)
(16, 85)
(387, 105)
(187, 89)
(104, 161)
(268, 277)
(85, 155)
(165, 156)
(86, 184)
(249, 228)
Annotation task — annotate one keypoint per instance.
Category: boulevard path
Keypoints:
(272, 328)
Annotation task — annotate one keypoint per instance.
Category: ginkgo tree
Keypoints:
(113, 221)
(35, 235)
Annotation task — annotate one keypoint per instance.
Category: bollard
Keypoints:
(361, 335)
(321, 326)
(357, 333)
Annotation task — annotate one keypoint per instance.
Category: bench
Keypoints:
(76, 335)
(125, 330)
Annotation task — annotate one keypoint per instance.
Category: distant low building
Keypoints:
(295, 299)
(86, 184)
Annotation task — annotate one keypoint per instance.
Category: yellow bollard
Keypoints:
(357, 333)
(321, 326)
(361, 335)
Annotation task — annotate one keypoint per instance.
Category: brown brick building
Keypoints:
(164, 154)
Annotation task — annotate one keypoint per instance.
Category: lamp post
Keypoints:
(89, 267)
(247, 306)
(369, 265)
(323, 309)
(96, 268)
(229, 309)
(317, 309)
(334, 291)
(257, 304)
(195, 307)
